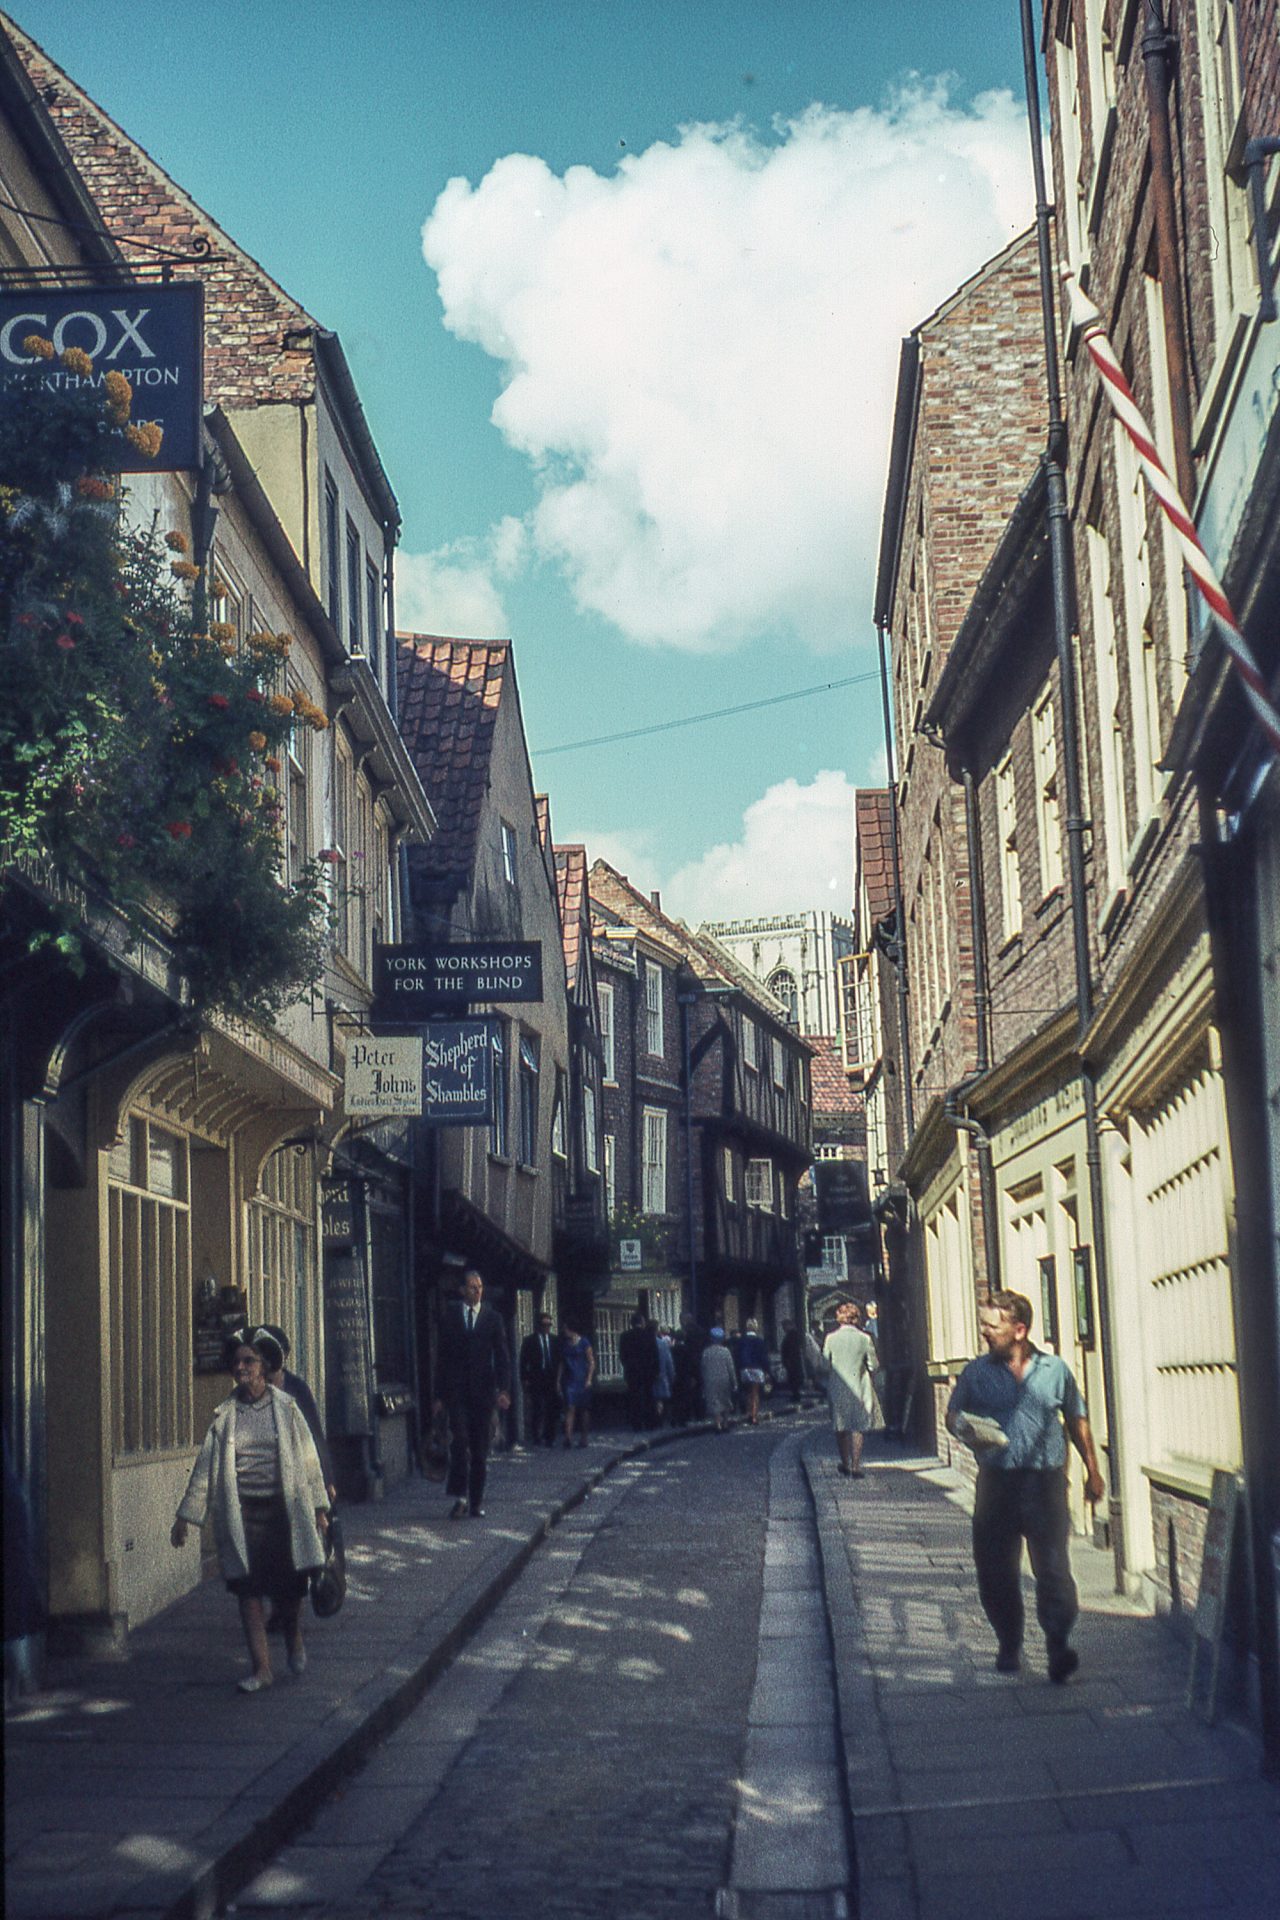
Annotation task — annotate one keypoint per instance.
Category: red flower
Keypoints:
(127, 840)
(75, 619)
(329, 855)
(26, 620)
(65, 641)
(255, 696)
(180, 829)
(219, 701)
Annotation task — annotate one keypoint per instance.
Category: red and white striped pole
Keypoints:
(1087, 317)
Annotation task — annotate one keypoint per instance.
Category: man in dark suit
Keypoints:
(638, 1354)
(538, 1363)
(473, 1375)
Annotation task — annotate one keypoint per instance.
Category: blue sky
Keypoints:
(634, 396)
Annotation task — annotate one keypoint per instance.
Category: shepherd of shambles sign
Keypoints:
(457, 1087)
(412, 981)
(384, 1075)
(151, 334)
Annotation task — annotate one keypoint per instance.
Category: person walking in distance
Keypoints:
(573, 1381)
(753, 1361)
(719, 1379)
(1015, 1407)
(539, 1364)
(473, 1375)
(638, 1355)
(851, 1363)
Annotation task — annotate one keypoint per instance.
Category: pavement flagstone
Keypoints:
(980, 1796)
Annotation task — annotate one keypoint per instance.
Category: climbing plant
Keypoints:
(140, 750)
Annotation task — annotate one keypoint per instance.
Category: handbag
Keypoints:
(329, 1582)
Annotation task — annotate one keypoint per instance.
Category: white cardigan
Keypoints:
(212, 1486)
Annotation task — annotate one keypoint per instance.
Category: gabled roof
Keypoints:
(874, 851)
(260, 346)
(449, 692)
(571, 889)
(246, 313)
(833, 1090)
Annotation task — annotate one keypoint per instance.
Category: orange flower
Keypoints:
(280, 703)
(257, 741)
(92, 486)
(222, 630)
(184, 570)
(38, 347)
(119, 395)
(75, 360)
(146, 438)
(177, 542)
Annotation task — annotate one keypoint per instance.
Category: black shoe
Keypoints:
(1009, 1660)
(1063, 1661)
(458, 1511)
(477, 1513)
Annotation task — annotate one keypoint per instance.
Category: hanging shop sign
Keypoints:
(152, 334)
(383, 1074)
(844, 1204)
(457, 1087)
(412, 982)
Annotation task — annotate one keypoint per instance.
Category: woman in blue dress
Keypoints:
(573, 1381)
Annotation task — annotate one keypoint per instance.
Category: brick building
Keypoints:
(743, 1105)
(878, 1010)
(968, 425)
(1146, 125)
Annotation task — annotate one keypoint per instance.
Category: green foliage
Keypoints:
(138, 754)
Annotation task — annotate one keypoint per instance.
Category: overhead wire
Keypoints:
(696, 719)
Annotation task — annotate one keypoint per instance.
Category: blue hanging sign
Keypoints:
(151, 333)
(457, 1074)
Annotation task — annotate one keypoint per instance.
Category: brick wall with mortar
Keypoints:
(980, 426)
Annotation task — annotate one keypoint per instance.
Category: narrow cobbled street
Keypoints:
(659, 1678)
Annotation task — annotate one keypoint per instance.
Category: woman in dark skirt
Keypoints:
(258, 1475)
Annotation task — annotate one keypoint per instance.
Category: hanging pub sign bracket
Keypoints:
(152, 333)
(410, 983)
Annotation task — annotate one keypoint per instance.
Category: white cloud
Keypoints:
(796, 851)
(698, 352)
(451, 592)
(629, 852)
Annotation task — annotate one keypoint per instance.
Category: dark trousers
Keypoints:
(469, 1423)
(541, 1414)
(1014, 1504)
(640, 1408)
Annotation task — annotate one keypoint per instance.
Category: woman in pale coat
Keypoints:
(719, 1379)
(258, 1474)
(850, 1358)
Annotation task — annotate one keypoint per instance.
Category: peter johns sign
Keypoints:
(152, 334)
(412, 982)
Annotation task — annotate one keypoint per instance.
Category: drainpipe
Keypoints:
(1061, 566)
(1157, 46)
(955, 1112)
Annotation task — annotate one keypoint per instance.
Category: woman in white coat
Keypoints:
(258, 1474)
(850, 1358)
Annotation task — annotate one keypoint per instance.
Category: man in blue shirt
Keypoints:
(1024, 1404)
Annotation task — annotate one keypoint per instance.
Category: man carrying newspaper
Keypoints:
(1015, 1407)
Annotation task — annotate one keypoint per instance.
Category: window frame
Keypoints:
(654, 1168)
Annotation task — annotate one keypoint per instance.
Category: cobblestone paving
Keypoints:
(597, 1773)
